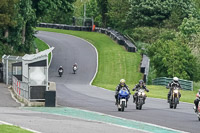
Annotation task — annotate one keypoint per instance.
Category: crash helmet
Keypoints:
(197, 95)
(122, 82)
(175, 79)
(141, 82)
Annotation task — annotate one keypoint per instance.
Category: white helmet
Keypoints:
(175, 79)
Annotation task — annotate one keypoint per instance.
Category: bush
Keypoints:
(173, 58)
(150, 34)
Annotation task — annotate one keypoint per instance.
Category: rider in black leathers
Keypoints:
(172, 84)
(60, 68)
(141, 85)
(118, 88)
(196, 101)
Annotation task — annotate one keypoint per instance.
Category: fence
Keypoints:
(116, 36)
(20, 88)
(185, 84)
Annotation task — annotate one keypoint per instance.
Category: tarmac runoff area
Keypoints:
(103, 118)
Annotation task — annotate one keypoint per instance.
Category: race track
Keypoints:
(74, 90)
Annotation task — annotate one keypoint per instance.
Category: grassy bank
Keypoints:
(42, 46)
(161, 92)
(114, 61)
(12, 129)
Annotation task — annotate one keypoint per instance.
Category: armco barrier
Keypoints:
(120, 39)
(185, 84)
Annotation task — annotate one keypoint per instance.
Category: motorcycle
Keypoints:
(140, 99)
(174, 98)
(60, 72)
(198, 110)
(74, 69)
(123, 97)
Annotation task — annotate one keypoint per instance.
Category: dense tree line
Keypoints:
(169, 31)
(18, 18)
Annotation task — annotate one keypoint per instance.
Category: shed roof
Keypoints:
(38, 55)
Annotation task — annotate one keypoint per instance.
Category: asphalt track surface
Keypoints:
(74, 90)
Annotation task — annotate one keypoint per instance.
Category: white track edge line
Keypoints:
(110, 90)
(3, 122)
(78, 118)
(130, 120)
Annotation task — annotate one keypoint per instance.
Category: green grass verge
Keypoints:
(161, 92)
(114, 61)
(42, 46)
(12, 129)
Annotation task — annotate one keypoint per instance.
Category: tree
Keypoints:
(55, 11)
(93, 12)
(18, 18)
(7, 13)
(154, 12)
(189, 26)
(117, 11)
(103, 10)
(173, 58)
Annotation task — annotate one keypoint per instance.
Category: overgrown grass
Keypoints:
(114, 61)
(42, 46)
(12, 129)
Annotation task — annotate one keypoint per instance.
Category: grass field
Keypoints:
(12, 129)
(116, 63)
(161, 92)
(42, 46)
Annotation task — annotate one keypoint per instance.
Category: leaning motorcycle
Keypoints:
(122, 100)
(174, 98)
(140, 99)
(74, 69)
(198, 110)
(60, 72)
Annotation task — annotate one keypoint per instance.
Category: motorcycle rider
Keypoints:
(137, 87)
(172, 84)
(196, 101)
(75, 65)
(60, 68)
(119, 87)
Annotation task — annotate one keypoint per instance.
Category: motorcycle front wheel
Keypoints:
(123, 106)
(175, 102)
